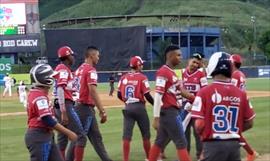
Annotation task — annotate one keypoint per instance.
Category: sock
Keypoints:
(78, 153)
(154, 153)
(126, 149)
(63, 153)
(146, 146)
(183, 155)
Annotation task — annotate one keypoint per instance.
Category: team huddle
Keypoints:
(218, 113)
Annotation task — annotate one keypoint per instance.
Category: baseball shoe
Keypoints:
(253, 156)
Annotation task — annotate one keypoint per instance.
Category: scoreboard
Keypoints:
(12, 30)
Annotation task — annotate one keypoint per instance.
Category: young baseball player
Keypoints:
(39, 135)
(166, 107)
(239, 80)
(193, 80)
(21, 91)
(88, 99)
(132, 89)
(64, 89)
(8, 83)
(222, 112)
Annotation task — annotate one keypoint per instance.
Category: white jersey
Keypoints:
(8, 81)
(22, 89)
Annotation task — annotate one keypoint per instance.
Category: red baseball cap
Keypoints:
(64, 51)
(135, 61)
(236, 58)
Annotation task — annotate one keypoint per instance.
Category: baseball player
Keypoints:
(132, 89)
(239, 80)
(39, 135)
(64, 106)
(166, 107)
(193, 80)
(8, 83)
(111, 82)
(88, 99)
(222, 112)
(21, 91)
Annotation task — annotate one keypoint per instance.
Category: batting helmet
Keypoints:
(135, 61)
(64, 51)
(235, 58)
(42, 75)
(220, 63)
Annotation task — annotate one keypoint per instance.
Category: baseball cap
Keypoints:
(64, 51)
(236, 58)
(197, 55)
(135, 61)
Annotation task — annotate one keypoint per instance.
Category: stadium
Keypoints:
(32, 31)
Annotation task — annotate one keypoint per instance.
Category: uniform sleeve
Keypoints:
(249, 113)
(63, 76)
(198, 107)
(203, 80)
(43, 107)
(235, 79)
(92, 77)
(145, 86)
(160, 84)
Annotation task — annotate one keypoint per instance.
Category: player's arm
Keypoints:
(199, 125)
(96, 98)
(149, 98)
(248, 125)
(187, 95)
(119, 95)
(157, 108)
(49, 121)
(61, 102)
(249, 114)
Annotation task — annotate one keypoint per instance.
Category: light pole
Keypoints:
(253, 20)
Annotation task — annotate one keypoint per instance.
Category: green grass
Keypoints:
(13, 129)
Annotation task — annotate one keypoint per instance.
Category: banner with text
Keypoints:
(20, 43)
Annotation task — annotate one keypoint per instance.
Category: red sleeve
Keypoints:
(145, 85)
(63, 77)
(92, 77)
(161, 80)
(198, 107)
(203, 80)
(43, 107)
(249, 113)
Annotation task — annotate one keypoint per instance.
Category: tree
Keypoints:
(264, 43)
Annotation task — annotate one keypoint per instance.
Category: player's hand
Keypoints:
(103, 116)
(72, 136)
(64, 118)
(156, 123)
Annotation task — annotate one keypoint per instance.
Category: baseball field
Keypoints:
(13, 126)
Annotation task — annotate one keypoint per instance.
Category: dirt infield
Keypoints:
(113, 102)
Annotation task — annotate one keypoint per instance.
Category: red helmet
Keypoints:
(135, 61)
(236, 58)
(64, 51)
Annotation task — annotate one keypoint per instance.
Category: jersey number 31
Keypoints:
(225, 118)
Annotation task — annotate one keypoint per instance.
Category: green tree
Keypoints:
(264, 43)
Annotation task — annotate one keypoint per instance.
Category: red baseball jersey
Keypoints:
(65, 79)
(224, 109)
(239, 79)
(133, 86)
(193, 82)
(170, 86)
(38, 106)
(86, 74)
